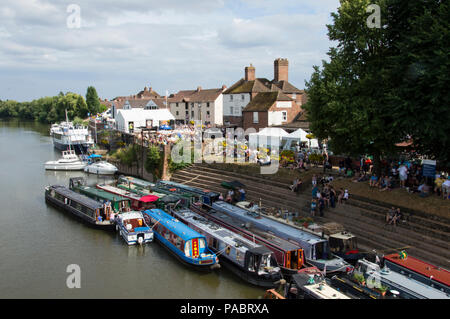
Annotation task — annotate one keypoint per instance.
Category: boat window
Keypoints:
(201, 242)
(251, 263)
(187, 249)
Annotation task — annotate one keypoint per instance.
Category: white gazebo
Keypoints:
(299, 136)
(266, 137)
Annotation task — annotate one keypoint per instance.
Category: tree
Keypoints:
(92, 100)
(346, 100)
(384, 85)
(420, 35)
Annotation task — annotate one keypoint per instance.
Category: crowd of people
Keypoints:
(324, 195)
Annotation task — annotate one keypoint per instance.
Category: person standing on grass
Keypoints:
(403, 173)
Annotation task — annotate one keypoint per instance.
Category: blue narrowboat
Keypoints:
(252, 262)
(185, 244)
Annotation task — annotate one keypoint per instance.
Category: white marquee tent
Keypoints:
(267, 137)
(137, 117)
(299, 136)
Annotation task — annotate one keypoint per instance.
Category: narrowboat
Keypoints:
(118, 203)
(207, 197)
(137, 202)
(184, 243)
(133, 229)
(310, 283)
(400, 285)
(419, 270)
(251, 262)
(356, 290)
(315, 248)
(289, 256)
(89, 210)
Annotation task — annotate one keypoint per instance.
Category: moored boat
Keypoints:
(118, 203)
(419, 270)
(184, 243)
(289, 256)
(68, 162)
(252, 262)
(133, 229)
(316, 248)
(99, 167)
(403, 286)
(206, 196)
(137, 202)
(89, 210)
(310, 283)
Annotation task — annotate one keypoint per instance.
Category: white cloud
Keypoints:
(124, 45)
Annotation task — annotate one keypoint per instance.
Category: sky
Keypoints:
(121, 46)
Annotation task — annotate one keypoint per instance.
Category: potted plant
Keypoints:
(383, 290)
(359, 278)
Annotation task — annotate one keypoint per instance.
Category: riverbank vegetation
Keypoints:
(51, 109)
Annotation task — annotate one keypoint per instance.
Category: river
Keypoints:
(38, 241)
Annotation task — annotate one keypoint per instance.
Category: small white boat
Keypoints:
(133, 229)
(70, 161)
(97, 166)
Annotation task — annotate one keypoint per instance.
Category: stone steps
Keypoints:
(363, 218)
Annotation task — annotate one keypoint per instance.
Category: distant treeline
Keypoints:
(52, 109)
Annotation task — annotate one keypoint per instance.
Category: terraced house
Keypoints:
(198, 105)
(280, 104)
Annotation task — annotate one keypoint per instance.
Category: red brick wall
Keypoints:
(263, 120)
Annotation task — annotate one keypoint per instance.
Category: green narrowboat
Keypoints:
(118, 203)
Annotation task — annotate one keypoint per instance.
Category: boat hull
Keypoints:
(99, 171)
(75, 213)
(250, 277)
(64, 167)
(166, 244)
(80, 148)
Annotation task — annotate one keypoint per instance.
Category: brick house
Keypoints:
(240, 94)
(269, 109)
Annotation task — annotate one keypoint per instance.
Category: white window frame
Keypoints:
(255, 118)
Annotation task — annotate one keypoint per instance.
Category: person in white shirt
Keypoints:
(403, 173)
(446, 188)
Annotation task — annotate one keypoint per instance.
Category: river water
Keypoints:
(38, 241)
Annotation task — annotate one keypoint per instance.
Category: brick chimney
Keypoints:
(281, 68)
(250, 73)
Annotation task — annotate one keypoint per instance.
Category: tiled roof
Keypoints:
(264, 101)
(286, 87)
(140, 103)
(256, 86)
(194, 96)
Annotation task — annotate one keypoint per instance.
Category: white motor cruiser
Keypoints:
(70, 161)
(97, 166)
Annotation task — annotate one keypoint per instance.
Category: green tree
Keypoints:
(92, 100)
(153, 162)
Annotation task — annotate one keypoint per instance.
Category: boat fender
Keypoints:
(280, 282)
(140, 240)
(215, 266)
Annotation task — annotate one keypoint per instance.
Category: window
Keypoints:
(178, 113)
(294, 96)
(231, 97)
(243, 97)
(176, 104)
(231, 110)
(255, 118)
(187, 249)
(192, 104)
(207, 104)
(192, 114)
(284, 116)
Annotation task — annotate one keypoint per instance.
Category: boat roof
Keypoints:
(189, 188)
(280, 242)
(173, 224)
(439, 274)
(119, 191)
(410, 285)
(102, 194)
(325, 292)
(82, 199)
(131, 215)
(270, 224)
(135, 181)
(227, 236)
